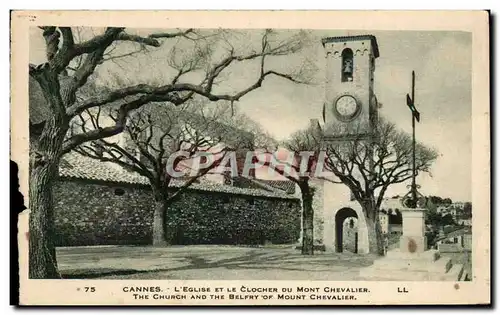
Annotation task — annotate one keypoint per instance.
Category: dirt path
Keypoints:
(207, 262)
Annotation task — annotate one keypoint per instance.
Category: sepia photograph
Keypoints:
(324, 160)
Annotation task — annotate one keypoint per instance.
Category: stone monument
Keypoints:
(413, 239)
(413, 260)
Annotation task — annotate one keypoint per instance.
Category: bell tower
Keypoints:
(350, 108)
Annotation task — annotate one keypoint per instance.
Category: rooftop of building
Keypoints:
(77, 166)
(455, 232)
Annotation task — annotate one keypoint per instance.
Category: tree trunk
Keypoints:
(160, 227)
(158, 224)
(42, 253)
(307, 219)
(44, 162)
(375, 237)
(45, 151)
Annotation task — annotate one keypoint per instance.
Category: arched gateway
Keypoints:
(340, 220)
(333, 211)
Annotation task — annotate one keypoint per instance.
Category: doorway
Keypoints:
(346, 230)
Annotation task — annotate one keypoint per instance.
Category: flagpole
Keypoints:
(414, 173)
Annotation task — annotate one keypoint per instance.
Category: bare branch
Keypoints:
(172, 35)
(51, 36)
(138, 39)
(58, 62)
(68, 40)
(129, 54)
(176, 93)
(109, 131)
(164, 94)
(49, 82)
(391, 163)
(98, 41)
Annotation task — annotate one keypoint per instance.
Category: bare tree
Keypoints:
(70, 64)
(157, 132)
(304, 147)
(369, 168)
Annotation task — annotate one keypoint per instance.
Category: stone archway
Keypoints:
(340, 217)
(335, 202)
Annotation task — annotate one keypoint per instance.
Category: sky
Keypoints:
(442, 62)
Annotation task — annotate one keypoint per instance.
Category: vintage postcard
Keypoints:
(252, 158)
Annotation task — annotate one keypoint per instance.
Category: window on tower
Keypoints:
(347, 65)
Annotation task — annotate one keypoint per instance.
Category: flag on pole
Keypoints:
(414, 111)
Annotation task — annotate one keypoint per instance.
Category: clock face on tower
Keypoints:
(346, 108)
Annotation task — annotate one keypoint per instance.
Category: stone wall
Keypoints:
(318, 211)
(100, 213)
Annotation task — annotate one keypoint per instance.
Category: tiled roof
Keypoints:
(74, 165)
(284, 185)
